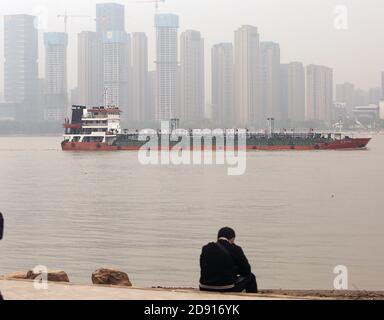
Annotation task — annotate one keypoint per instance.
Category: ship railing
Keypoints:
(84, 118)
(249, 134)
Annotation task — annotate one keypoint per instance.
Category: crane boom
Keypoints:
(156, 2)
(65, 17)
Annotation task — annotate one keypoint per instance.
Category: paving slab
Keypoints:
(25, 290)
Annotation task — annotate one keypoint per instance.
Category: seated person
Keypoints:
(1, 237)
(1, 225)
(224, 267)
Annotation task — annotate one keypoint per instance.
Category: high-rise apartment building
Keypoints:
(223, 84)
(293, 84)
(140, 99)
(90, 69)
(382, 86)
(110, 17)
(247, 77)
(361, 97)
(166, 65)
(319, 93)
(192, 78)
(20, 66)
(117, 68)
(374, 95)
(270, 81)
(345, 93)
(284, 92)
(116, 44)
(152, 95)
(56, 86)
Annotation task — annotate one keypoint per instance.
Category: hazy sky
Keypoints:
(304, 28)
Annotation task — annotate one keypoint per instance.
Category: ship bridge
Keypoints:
(99, 124)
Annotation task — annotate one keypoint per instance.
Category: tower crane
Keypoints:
(66, 16)
(156, 2)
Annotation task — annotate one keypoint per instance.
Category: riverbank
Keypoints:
(25, 290)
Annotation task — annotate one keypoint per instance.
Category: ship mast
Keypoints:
(105, 97)
(271, 126)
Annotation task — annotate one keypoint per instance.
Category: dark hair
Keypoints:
(227, 233)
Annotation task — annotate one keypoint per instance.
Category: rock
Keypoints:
(16, 276)
(111, 277)
(53, 276)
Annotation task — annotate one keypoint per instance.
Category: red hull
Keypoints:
(346, 144)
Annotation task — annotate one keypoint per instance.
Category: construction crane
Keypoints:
(66, 16)
(156, 2)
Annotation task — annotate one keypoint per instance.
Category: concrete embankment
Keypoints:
(25, 290)
(111, 284)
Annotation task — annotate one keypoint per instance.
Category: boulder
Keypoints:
(53, 276)
(111, 277)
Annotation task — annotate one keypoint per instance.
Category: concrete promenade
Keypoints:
(24, 290)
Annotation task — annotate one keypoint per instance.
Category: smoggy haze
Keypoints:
(304, 29)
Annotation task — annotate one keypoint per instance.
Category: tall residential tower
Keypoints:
(382, 86)
(166, 65)
(116, 43)
(90, 69)
(110, 17)
(192, 76)
(117, 68)
(270, 81)
(293, 86)
(140, 92)
(223, 111)
(247, 77)
(345, 93)
(319, 93)
(20, 66)
(56, 87)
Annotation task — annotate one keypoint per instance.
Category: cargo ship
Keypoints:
(99, 129)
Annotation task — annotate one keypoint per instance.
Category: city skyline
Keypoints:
(181, 89)
(326, 46)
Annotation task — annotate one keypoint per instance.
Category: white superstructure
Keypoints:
(93, 125)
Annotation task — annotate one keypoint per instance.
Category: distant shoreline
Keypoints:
(35, 135)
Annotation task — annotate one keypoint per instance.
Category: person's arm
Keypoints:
(201, 259)
(242, 262)
(1, 226)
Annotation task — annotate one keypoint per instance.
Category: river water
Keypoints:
(297, 214)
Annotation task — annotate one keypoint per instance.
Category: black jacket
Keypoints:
(219, 268)
(1, 226)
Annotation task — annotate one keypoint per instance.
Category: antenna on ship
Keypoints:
(271, 125)
(105, 97)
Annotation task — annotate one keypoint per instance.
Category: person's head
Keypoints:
(227, 233)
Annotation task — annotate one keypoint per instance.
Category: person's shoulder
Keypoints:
(209, 245)
(237, 248)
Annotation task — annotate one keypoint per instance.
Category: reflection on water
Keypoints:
(297, 214)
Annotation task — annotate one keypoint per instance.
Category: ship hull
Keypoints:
(345, 144)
